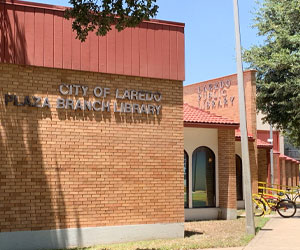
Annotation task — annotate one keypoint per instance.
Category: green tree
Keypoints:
(277, 62)
(100, 15)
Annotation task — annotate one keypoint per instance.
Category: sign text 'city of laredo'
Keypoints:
(95, 105)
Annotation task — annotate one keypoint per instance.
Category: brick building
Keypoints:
(91, 135)
(92, 141)
(219, 97)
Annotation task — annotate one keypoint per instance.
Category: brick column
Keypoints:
(294, 173)
(227, 173)
(262, 159)
(253, 165)
(288, 173)
(282, 172)
(276, 168)
(297, 174)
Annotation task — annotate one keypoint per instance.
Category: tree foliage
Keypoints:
(277, 62)
(100, 15)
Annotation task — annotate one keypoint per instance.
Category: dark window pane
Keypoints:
(239, 178)
(203, 182)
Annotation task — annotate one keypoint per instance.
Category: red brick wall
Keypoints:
(264, 135)
(227, 168)
(297, 174)
(276, 168)
(66, 168)
(283, 172)
(288, 167)
(294, 170)
(231, 110)
(262, 159)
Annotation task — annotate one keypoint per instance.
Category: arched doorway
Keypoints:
(203, 180)
(239, 178)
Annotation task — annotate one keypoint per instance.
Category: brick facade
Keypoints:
(231, 110)
(263, 163)
(296, 174)
(283, 172)
(62, 168)
(199, 95)
(288, 168)
(227, 168)
(294, 171)
(276, 168)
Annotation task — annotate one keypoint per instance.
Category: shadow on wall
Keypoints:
(34, 191)
(12, 36)
(31, 192)
(106, 116)
(33, 195)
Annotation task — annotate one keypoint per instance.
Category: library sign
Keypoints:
(215, 95)
(125, 101)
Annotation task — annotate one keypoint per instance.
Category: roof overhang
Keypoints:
(210, 125)
(238, 138)
(265, 146)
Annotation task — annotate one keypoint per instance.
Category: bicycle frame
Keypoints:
(290, 192)
(266, 200)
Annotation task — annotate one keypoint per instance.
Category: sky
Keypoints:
(209, 33)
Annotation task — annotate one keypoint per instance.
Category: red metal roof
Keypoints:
(193, 115)
(282, 156)
(238, 135)
(38, 35)
(287, 158)
(263, 144)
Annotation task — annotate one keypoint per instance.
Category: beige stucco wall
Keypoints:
(194, 138)
(260, 124)
(266, 126)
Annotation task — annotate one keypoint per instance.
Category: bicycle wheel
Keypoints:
(297, 200)
(286, 208)
(259, 207)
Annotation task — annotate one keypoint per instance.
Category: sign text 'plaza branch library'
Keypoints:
(98, 92)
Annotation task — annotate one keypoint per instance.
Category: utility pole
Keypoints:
(250, 227)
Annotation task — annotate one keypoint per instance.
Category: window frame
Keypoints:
(209, 152)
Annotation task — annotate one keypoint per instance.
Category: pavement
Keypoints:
(278, 234)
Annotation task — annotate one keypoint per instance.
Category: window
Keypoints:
(239, 178)
(186, 180)
(203, 180)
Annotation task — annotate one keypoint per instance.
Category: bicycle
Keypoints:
(263, 204)
(293, 194)
(289, 192)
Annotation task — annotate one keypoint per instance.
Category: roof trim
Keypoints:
(63, 8)
(238, 138)
(210, 125)
(265, 146)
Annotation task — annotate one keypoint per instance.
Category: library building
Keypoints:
(101, 143)
(212, 148)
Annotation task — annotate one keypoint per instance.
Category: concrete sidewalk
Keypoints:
(278, 234)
